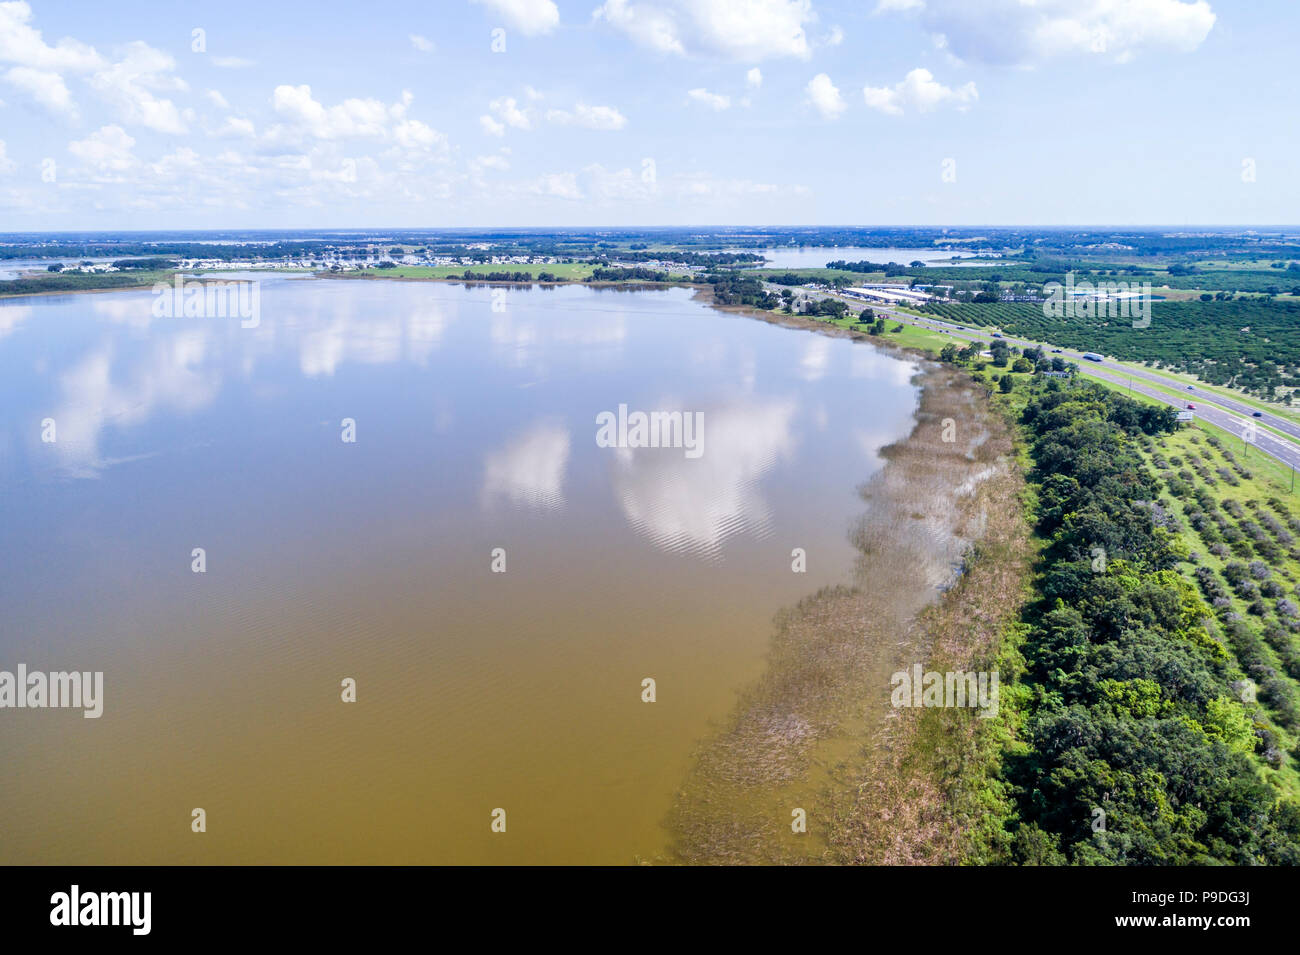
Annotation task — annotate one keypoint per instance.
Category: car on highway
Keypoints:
(1056, 351)
(1190, 388)
(1191, 407)
(1257, 414)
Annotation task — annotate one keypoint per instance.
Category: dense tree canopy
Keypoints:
(1131, 718)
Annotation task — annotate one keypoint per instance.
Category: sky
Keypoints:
(496, 113)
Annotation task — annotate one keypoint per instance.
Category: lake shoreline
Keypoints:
(817, 733)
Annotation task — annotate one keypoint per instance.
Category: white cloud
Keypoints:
(217, 100)
(36, 68)
(601, 186)
(651, 25)
(560, 185)
(754, 78)
(44, 86)
(480, 163)
(421, 43)
(711, 100)
(507, 112)
(7, 165)
(231, 62)
(733, 29)
(835, 37)
(1019, 33)
(22, 44)
(529, 17)
(918, 91)
(618, 185)
(825, 96)
(302, 115)
(353, 118)
(700, 187)
(182, 162)
(236, 127)
(106, 150)
(592, 117)
(129, 86)
(413, 134)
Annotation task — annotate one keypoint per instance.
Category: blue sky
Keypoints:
(647, 112)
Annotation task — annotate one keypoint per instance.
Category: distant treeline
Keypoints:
(889, 268)
(185, 250)
(700, 259)
(788, 278)
(144, 264)
(480, 245)
(469, 275)
(636, 274)
(80, 282)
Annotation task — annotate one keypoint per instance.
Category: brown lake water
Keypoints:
(475, 428)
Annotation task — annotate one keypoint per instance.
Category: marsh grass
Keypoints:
(817, 731)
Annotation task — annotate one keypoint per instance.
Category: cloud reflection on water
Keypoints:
(694, 505)
(529, 471)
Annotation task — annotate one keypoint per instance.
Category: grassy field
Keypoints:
(911, 336)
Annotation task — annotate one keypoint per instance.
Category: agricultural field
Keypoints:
(824, 276)
(1267, 281)
(1250, 344)
(1240, 530)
